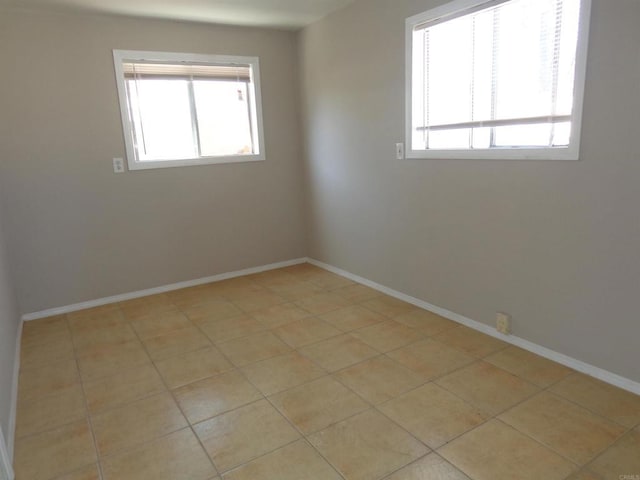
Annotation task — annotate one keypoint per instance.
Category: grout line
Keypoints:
(86, 404)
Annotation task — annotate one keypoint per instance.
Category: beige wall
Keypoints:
(556, 244)
(80, 232)
(8, 333)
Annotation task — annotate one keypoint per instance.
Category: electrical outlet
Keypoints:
(503, 323)
(118, 165)
(399, 151)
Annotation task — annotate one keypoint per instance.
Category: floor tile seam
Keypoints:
(604, 451)
(264, 397)
(433, 449)
(184, 416)
(323, 457)
(553, 449)
(594, 412)
(332, 372)
(222, 473)
(430, 452)
(86, 406)
(438, 376)
(485, 413)
(577, 466)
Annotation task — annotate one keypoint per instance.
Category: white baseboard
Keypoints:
(6, 471)
(580, 366)
(7, 449)
(162, 289)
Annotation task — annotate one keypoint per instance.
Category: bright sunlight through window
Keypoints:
(497, 79)
(183, 109)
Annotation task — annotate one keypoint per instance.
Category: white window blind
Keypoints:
(496, 75)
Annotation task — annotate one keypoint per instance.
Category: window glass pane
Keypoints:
(450, 71)
(224, 121)
(523, 135)
(449, 139)
(160, 110)
(562, 134)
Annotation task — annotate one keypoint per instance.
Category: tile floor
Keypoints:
(300, 374)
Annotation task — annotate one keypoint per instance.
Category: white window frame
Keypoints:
(122, 56)
(570, 152)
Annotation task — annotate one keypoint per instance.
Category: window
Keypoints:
(497, 79)
(186, 109)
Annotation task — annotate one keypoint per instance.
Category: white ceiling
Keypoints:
(268, 13)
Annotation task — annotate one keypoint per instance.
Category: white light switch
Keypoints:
(399, 151)
(118, 165)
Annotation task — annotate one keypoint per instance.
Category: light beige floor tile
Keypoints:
(356, 293)
(46, 330)
(160, 324)
(586, 475)
(388, 336)
(297, 291)
(367, 446)
(296, 461)
(50, 412)
(611, 402)
(258, 301)
(281, 373)
(488, 388)
(318, 404)
(623, 458)
(175, 343)
(379, 379)
(531, 367)
(86, 340)
(306, 331)
(352, 318)
(87, 321)
(329, 281)
(495, 451)
(566, 428)
(426, 322)
(92, 313)
(339, 352)
(212, 396)
(192, 296)
(125, 387)
(241, 435)
(272, 277)
(278, 315)
(140, 307)
(89, 472)
(176, 456)
(107, 360)
(253, 348)
(36, 355)
(50, 454)
(138, 422)
(470, 341)
(432, 414)
(230, 328)
(193, 366)
(430, 467)
(213, 310)
(322, 303)
(431, 359)
(388, 306)
(48, 379)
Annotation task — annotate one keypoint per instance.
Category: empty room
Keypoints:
(319, 240)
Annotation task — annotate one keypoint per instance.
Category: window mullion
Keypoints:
(194, 117)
